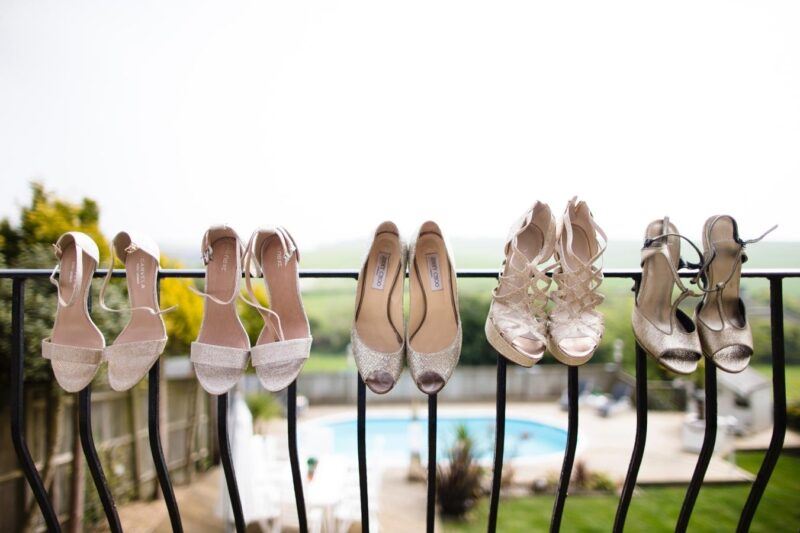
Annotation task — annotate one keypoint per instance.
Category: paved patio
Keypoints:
(605, 445)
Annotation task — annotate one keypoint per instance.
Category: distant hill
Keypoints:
(488, 253)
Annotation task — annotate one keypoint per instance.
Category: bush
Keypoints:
(263, 406)
(793, 414)
(459, 483)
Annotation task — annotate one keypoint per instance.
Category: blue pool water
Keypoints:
(396, 437)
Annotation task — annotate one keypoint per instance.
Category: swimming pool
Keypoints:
(393, 438)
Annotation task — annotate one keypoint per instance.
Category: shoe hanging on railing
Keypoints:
(377, 337)
(434, 324)
(222, 349)
(721, 318)
(143, 339)
(284, 344)
(576, 326)
(75, 346)
(516, 325)
(660, 327)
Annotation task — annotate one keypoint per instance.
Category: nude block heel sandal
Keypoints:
(142, 341)
(434, 324)
(378, 336)
(75, 347)
(284, 344)
(222, 349)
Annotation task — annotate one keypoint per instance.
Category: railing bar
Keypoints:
(227, 462)
(362, 453)
(90, 451)
(17, 401)
(778, 406)
(154, 433)
(639, 441)
(430, 515)
(569, 453)
(499, 442)
(92, 459)
(297, 479)
(706, 451)
(196, 273)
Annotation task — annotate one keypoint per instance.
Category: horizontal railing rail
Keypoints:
(774, 276)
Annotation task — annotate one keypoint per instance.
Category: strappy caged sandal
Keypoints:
(517, 322)
(721, 318)
(576, 326)
(284, 344)
(75, 347)
(660, 327)
(139, 345)
(222, 349)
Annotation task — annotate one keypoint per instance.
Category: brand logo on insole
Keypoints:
(434, 272)
(226, 258)
(379, 279)
(279, 261)
(72, 273)
(140, 272)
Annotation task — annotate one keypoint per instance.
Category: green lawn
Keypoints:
(324, 362)
(792, 380)
(656, 509)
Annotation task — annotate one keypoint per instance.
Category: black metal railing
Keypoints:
(775, 278)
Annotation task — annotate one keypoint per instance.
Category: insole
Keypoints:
(221, 325)
(374, 316)
(725, 261)
(142, 272)
(438, 321)
(582, 247)
(284, 299)
(656, 289)
(72, 326)
(530, 243)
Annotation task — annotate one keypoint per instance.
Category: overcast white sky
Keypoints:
(328, 117)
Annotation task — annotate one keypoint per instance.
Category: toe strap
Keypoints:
(280, 351)
(71, 354)
(219, 356)
(136, 350)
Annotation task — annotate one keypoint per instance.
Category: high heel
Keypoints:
(434, 324)
(724, 330)
(576, 326)
(222, 348)
(660, 327)
(284, 344)
(142, 341)
(377, 336)
(75, 347)
(517, 322)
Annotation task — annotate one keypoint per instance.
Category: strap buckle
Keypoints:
(208, 255)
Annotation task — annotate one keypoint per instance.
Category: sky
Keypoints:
(328, 117)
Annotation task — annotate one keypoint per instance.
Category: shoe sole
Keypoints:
(504, 348)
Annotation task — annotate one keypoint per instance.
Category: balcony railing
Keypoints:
(774, 277)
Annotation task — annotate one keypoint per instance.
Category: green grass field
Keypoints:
(325, 363)
(792, 380)
(656, 509)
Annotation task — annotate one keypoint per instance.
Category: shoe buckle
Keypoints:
(208, 255)
(131, 248)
